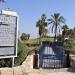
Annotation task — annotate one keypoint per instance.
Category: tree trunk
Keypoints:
(55, 38)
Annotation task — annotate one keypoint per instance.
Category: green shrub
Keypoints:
(59, 38)
(6, 62)
(22, 53)
(70, 43)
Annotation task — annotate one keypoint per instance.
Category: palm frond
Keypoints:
(38, 23)
(49, 23)
(61, 19)
(43, 17)
(53, 17)
(2, 0)
(50, 19)
(45, 24)
(52, 28)
(56, 15)
(59, 29)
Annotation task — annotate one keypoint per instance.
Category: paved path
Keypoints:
(49, 72)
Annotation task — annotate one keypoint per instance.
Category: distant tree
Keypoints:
(41, 24)
(71, 33)
(28, 36)
(56, 21)
(65, 30)
(74, 29)
(23, 36)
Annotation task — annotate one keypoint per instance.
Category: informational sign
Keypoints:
(8, 35)
(53, 56)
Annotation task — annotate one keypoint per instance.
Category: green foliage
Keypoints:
(36, 41)
(74, 29)
(60, 38)
(5, 62)
(69, 43)
(25, 36)
(45, 32)
(41, 24)
(56, 20)
(65, 29)
(2, 0)
(22, 53)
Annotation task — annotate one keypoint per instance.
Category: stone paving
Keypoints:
(50, 72)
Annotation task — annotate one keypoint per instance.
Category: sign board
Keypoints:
(53, 56)
(8, 35)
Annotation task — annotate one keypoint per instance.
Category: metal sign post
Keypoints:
(13, 62)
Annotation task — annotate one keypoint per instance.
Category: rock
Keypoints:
(6, 71)
(17, 70)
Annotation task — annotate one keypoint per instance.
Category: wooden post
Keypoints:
(67, 59)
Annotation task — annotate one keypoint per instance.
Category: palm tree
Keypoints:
(45, 31)
(41, 24)
(74, 29)
(65, 29)
(43, 17)
(2, 0)
(56, 20)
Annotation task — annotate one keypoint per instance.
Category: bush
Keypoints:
(70, 43)
(59, 38)
(28, 44)
(22, 53)
(6, 62)
(25, 36)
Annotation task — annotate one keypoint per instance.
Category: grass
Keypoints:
(22, 53)
(36, 41)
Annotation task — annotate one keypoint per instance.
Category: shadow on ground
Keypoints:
(71, 70)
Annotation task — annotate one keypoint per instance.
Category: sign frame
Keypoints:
(16, 38)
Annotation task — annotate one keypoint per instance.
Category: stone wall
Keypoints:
(72, 58)
(23, 69)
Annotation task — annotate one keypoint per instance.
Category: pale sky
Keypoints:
(30, 11)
